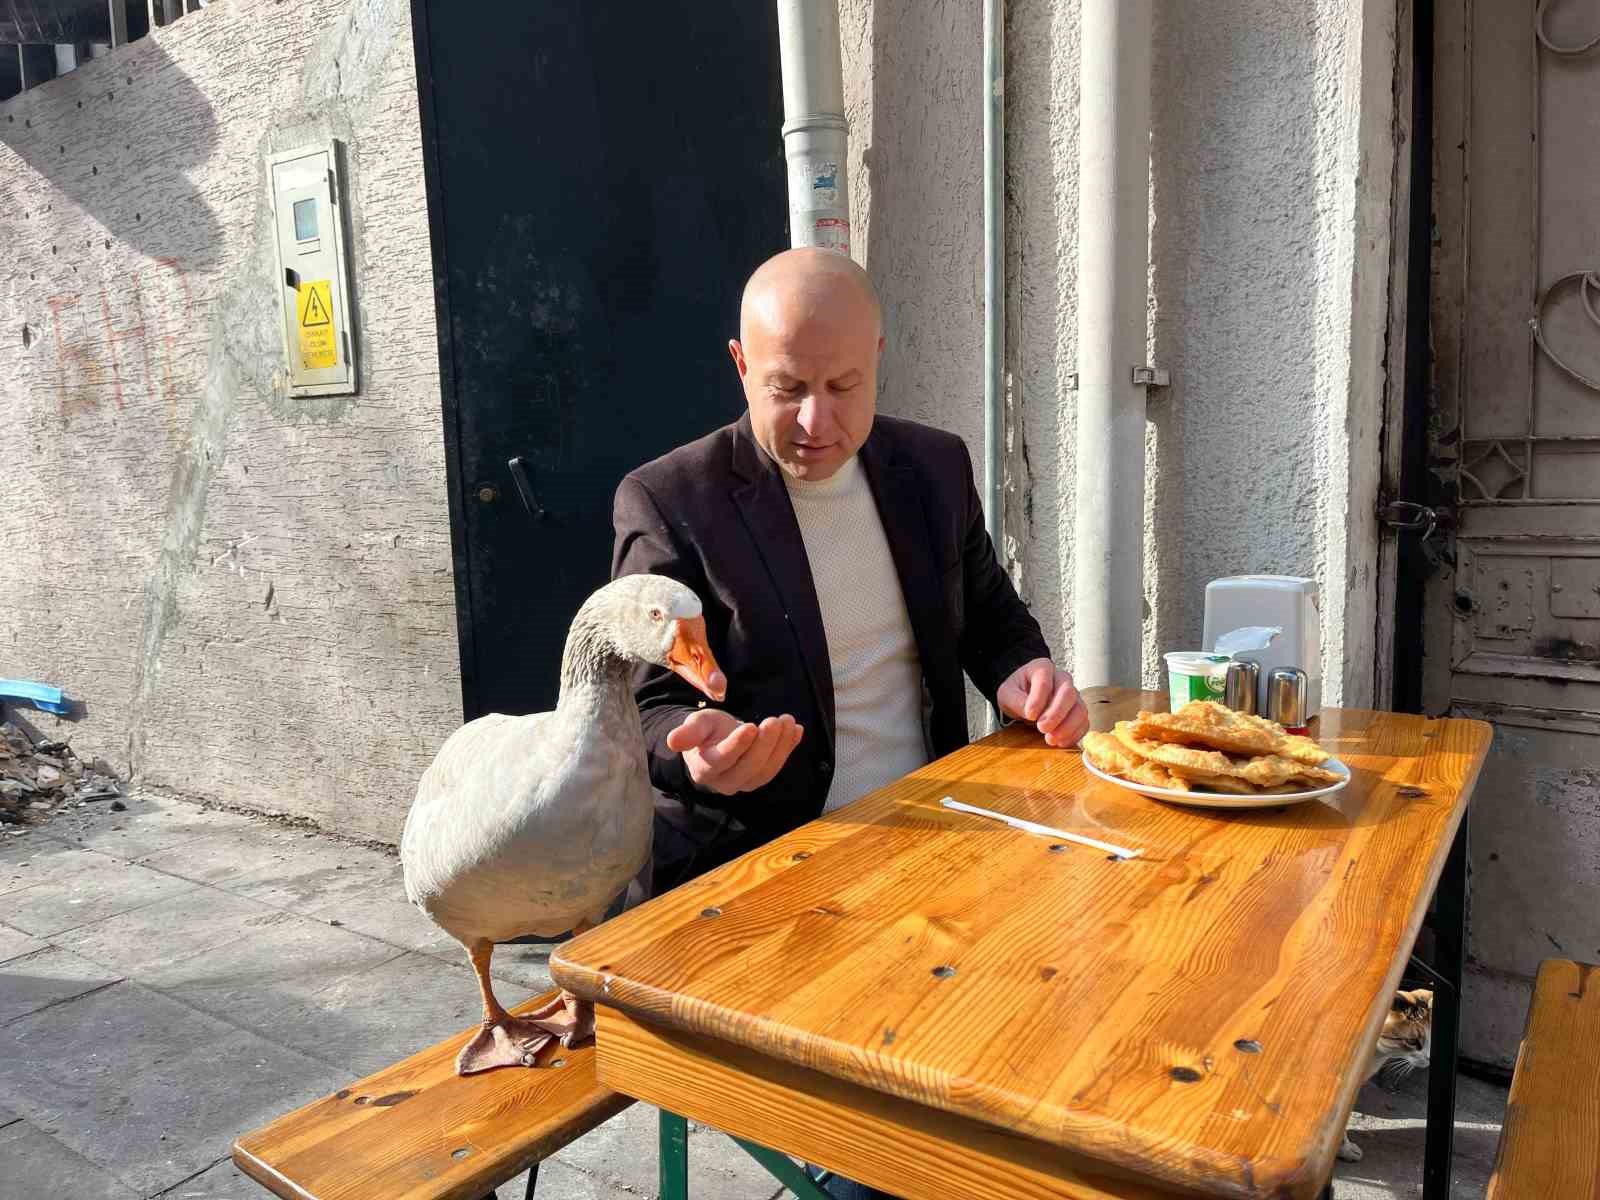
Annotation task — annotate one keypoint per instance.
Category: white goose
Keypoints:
(535, 824)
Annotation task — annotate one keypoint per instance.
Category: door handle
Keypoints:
(521, 476)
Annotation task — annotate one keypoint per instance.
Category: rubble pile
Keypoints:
(37, 780)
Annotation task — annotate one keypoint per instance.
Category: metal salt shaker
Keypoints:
(1239, 687)
(1286, 698)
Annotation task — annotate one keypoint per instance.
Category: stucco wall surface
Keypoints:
(1271, 167)
(250, 594)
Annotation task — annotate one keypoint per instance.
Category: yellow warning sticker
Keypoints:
(318, 347)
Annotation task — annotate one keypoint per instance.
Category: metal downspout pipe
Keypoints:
(815, 133)
(994, 268)
(1113, 293)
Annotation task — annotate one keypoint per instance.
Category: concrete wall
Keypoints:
(1271, 168)
(250, 594)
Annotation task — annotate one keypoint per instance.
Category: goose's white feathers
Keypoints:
(532, 824)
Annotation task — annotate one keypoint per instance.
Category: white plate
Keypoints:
(1220, 799)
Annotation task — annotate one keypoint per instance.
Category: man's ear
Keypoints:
(737, 351)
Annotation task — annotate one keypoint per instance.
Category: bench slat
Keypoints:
(419, 1131)
(1550, 1144)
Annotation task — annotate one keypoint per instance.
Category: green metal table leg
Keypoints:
(674, 1157)
(782, 1168)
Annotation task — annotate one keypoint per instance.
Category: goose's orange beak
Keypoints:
(691, 658)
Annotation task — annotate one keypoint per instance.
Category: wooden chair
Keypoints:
(419, 1131)
(1550, 1143)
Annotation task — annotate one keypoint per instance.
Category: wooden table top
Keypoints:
(1200, 1016)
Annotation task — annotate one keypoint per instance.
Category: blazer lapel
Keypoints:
(762, 502)
(899, 499)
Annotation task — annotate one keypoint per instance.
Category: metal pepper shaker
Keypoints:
(1241, 684)
(1286, 698)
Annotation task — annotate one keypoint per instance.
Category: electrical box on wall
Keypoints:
(319, 337)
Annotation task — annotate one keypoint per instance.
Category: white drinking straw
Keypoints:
(1041, 830)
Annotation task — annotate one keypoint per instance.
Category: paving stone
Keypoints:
(35, 1166)
(557, 1181)
(368, 1021)
(149, 825)
(14, 847)
(382, 911)
(1390, 1128)
(215, 858)
(302, 873)
(45, 978)
(33, 860)
(146, 1087)
(279, 962)
(181, 926)
(222, 1182)
(621, 1155)
(14, 943)
(90, 892)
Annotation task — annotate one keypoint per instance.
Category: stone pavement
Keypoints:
(173, 975)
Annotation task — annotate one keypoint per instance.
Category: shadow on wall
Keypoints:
(1234, 252)
(89, 133)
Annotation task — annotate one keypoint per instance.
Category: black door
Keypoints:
(601, 179)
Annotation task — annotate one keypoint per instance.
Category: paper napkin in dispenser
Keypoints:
(1287, 603)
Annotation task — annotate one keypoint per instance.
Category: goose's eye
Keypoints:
(656, 614)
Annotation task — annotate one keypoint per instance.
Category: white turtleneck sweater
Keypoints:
(877, 676)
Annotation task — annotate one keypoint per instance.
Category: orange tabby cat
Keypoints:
(1402, 1047)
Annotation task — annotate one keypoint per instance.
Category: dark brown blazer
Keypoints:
(715, 515)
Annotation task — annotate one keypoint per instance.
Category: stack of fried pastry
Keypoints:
(1208, 747)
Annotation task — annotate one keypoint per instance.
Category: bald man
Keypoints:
(848, 581)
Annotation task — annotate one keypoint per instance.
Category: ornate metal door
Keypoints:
(1512, 626)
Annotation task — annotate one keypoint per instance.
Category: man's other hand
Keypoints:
(1041, 692)
(726, 755)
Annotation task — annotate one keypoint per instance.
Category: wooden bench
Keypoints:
(419, 1131)
(1550, 1143)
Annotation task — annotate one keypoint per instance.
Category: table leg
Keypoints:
(782, 1168)
(1450, 923)
(674, 1160)
(533, 1181)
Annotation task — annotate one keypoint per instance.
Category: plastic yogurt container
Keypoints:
(1195, 675)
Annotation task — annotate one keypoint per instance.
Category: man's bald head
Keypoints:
(810, 332)
(808, 284)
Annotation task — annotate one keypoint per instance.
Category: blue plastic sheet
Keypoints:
(39, 695)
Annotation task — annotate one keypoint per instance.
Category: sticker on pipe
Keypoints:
(831, 233)
(318, 346)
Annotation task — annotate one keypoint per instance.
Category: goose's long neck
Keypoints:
(593, 676)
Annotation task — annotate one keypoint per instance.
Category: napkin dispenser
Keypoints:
(1286, 602)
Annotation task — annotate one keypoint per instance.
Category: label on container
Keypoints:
(1198, 687)
(1194, 676)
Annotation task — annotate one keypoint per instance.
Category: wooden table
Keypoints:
(940, 1006)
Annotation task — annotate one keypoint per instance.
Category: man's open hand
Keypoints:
(1041, 692)
(726, 755)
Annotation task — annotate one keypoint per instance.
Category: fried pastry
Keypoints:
(1210, 725)
(1207, 747)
